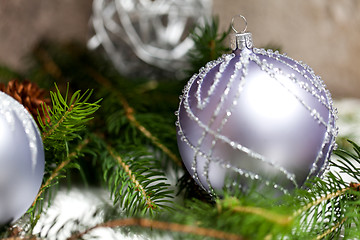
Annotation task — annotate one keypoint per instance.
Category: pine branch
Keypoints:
(333, 202)
(326, 212)
(67, 116)
(160, 225)
(134, 179)
(321, 200)
(65, 121)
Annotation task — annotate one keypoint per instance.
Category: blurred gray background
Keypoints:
(325, 34)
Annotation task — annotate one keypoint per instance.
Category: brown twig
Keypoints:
(132, 177)
(63, 164)
(233, 205)
(159, 225)
(268, 215)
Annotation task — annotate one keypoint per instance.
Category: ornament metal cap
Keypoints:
(240, 40)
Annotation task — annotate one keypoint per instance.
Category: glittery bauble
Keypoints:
(21, 159)
(255, 117)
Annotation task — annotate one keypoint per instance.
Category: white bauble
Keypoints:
(22, 159)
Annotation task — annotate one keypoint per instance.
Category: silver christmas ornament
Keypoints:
(155, 31)
(21, 159)
(255, 117)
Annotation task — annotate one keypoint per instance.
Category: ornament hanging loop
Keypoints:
(232, 23)
(240, 40)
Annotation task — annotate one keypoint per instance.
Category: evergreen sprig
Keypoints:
(67, 116)
(135, 179)
(61, 134)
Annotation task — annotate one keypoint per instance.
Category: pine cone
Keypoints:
(29, 95)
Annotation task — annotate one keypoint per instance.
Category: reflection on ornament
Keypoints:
(156, 31)
(21, 159)
(255, 117)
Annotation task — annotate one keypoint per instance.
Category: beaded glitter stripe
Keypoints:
(225, 165)
(318, 84)
(313, 112)
(215, 114)
(330, 135)
(254, 177)
(272, 72)
(223, 64)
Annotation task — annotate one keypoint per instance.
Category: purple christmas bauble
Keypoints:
(255, 117)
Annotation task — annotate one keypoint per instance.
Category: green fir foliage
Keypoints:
(61, 132)
(135, 179)
(67, 117)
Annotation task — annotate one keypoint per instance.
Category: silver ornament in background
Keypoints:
(255, 117)
(21, 159)
(153, 31)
